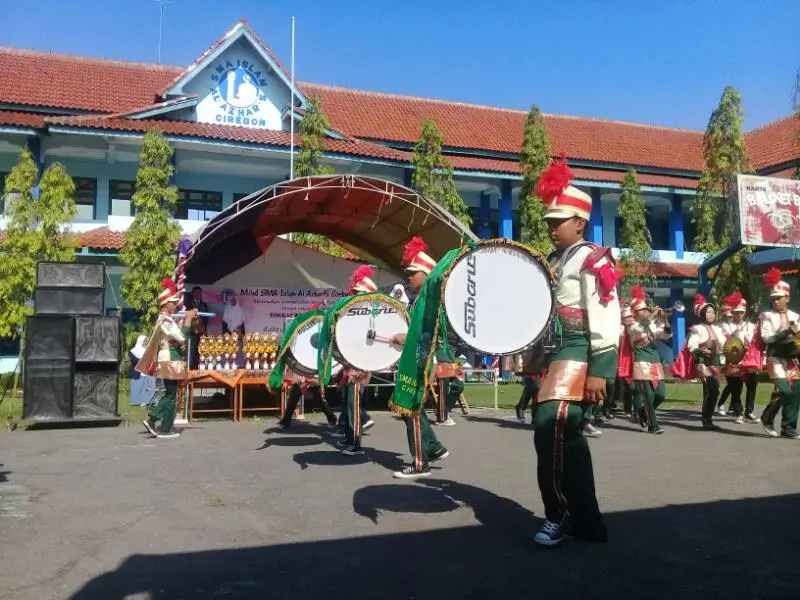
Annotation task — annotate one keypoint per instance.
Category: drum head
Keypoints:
(301, 356)
(360, 349)
(498, 298)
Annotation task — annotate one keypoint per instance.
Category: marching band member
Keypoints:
(531, 382)
(588, 309)
(700, 357)
(166, 354)
(742, 375)
(423, 444)
(643, 328)
(299, 385)
(778, 330)
(727, 326)
(624, 380)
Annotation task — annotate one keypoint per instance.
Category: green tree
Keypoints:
(534, 158)
(55, 207)
(637, 253)
(713, 207)
(309, 163)
(149, 250)
(433, 173)
(34, 233)
(312, 143)
(17, 259)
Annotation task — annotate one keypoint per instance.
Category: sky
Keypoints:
(660, 62)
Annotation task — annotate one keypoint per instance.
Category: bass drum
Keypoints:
(499, 298)
(301, 355)
(363, 329)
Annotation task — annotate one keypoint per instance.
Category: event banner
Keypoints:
(261, 309)
(769, 211)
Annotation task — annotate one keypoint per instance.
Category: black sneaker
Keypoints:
(440, 455)
(412, 473)
(656, 430)
(520, 415)
(352, 451)
(150, 426)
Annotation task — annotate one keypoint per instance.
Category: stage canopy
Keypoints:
(372, 218)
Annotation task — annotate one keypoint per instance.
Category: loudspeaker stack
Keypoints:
(72, 350)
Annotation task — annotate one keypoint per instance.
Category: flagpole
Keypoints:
(291, 114)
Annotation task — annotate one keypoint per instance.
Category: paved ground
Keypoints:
(227, 511)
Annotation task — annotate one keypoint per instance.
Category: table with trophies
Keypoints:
(234, 362)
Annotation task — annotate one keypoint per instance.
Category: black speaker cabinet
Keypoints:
(69, 301)
(47, 390)
(95, 394)
(70, 275)
(98, 339)
(50, 338)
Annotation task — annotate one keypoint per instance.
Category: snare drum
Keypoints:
(363, 329)
(301, 355)
(499, 298)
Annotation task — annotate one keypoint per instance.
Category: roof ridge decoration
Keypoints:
(242, 29)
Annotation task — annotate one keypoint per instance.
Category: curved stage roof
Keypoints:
(372, 218)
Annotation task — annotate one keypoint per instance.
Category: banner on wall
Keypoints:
(262, 309)
(769, 211)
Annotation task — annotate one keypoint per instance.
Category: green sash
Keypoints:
(275, 380)
(327, 331)
(427, 333)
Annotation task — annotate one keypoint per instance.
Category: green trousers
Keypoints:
(564, 466)
(450, 389)
(787, 400)
(422, 442)
(352, 429)
(164, 410)
(649, 398)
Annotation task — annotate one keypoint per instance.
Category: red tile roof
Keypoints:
(774, 144)
(399, 118)
(45, 79)
(102, 238)
(10, 118)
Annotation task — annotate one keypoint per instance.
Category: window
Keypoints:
(85, 196)
(9, 347)
(121, 194)
(197, 205)
(2, 192)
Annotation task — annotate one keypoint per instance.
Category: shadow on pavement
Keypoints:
(724, 549)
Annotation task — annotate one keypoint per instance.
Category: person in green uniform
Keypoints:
(165, 356)
(588, 309)
(450, 388)
(423, 444)
(643, 327)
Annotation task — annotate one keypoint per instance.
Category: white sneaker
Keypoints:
(449, 422)
(721, 411)
(412, 473)
(550, 534)
(769, 429)
(149, 427)
(739, 420)
(168, 436)
(367, 425)
(591, 431)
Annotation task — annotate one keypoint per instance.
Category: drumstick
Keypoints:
(371, 335)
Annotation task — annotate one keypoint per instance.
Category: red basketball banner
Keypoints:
(769, 211)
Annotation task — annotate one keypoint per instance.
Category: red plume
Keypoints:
(553, 180)
(168, 284)
(637, 293)
(734, 299)
(772, 277)
(414, 247)
(362, 272)
(699, 300)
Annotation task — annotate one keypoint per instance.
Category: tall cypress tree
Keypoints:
(637, 253)
(713, 208)
(308, 163)
(534, 157)
(433, 173)
(35, 231)
(149, 250)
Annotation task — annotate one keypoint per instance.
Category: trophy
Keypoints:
(273, 351)
(235, 350)
(257, 351)
(226, 351)
(247, 348)
(202, 350)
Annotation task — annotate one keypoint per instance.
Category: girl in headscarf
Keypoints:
(399, 293)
